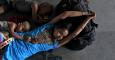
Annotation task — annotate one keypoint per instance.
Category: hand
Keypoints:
(34, 41)
(27, 38)
(17, 36)
(92, 15)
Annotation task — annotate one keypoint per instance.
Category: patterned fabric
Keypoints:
(44, 37)
(20, 50)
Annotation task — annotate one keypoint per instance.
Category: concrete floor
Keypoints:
(103, 47)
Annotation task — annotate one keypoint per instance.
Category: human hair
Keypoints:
(63, 26)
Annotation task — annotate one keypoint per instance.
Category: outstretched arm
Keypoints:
(77, 31)
(68, 14)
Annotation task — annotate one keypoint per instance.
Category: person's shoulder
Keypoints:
(50, 24)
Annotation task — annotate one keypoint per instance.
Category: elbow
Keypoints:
(64, 15)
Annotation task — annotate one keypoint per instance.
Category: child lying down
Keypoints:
(20, 50)
(12, 26)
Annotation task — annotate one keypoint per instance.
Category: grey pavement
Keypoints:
(103, 48)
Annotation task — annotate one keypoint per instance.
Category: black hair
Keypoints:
(66, 26)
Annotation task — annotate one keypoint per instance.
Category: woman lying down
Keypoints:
(45, 37)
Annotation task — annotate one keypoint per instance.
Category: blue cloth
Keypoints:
(1, 37)
(20, 50)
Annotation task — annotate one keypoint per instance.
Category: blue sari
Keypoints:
(20, 50)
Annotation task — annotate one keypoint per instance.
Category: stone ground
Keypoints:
(103, 47)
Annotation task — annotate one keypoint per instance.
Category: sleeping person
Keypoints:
(20, 50)
(23, 23)
(12, 26)
(41, 12)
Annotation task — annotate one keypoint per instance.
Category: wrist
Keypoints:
(85, 13)
(17, 36)
(27, 38)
